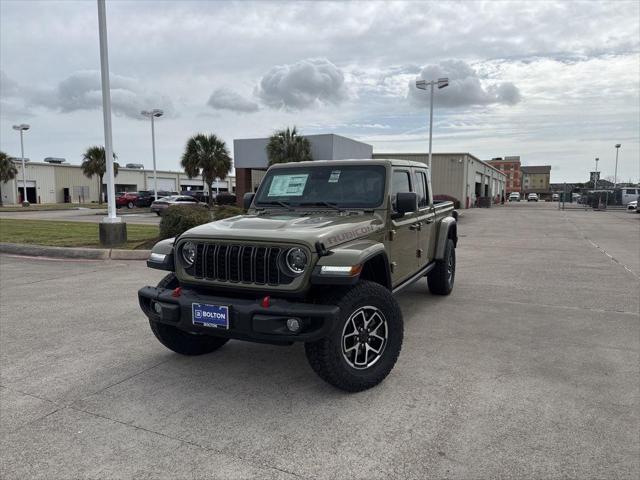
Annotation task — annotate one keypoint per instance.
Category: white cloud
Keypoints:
(226, 99)
(304, 84)
(82, 91)
(465, 88)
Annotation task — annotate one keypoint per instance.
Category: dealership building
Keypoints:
(458, 176)
(63, 183)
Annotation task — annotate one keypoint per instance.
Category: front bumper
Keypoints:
(248, 319)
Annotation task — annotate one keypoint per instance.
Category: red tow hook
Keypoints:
(177, 292)
(266, 302)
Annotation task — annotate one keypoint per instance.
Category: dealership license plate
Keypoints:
(212, 316)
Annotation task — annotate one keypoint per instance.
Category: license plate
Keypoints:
(213, 316)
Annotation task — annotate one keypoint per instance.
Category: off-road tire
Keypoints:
(326, 356)
(440, 279)
(182, 342)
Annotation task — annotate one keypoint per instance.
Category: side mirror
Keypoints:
(406, 202)
(247, 199)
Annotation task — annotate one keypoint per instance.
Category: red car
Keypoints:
(126, 199)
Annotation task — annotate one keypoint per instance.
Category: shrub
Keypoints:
(177, 219)
(227, 211)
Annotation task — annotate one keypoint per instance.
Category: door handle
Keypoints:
(415, 226)
(429, 220)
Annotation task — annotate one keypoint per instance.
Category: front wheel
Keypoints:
(364, 345)
(130, 205)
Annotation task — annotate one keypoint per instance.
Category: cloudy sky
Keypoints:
(555, 82)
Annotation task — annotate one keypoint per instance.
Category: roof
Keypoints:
(358, 161)
(442, 154)
(536, 169)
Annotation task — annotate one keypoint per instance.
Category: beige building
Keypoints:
(460, 176)
(60, 183)
(535, 179)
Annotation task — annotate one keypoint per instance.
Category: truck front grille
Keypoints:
(222, 262)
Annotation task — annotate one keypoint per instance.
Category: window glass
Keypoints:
(355, 186)
(421, 188)
(401, 183)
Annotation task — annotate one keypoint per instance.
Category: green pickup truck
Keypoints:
(323, 247)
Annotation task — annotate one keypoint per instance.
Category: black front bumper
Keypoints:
(248, 319)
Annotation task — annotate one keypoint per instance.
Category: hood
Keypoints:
(288, 228)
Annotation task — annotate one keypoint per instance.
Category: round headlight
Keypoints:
(189, 253)
(296, 260)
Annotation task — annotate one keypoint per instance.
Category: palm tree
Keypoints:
(8, 171)
(208, 156)
(287, 146)
(93, 163)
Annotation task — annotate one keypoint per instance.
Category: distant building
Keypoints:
(536, 179)
(460, 176)
(63, 183)
(510, 166)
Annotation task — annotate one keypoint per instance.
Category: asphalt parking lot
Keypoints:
(529, 369)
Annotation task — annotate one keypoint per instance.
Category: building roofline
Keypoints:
(442, 153)
(143, 170)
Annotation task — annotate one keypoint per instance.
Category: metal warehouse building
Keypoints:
(461, 176)
(60, 183)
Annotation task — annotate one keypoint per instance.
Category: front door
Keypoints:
(403, 235)
(426, 217)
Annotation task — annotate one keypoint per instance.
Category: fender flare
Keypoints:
(448, 228)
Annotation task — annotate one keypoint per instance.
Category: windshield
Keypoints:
(348, 186)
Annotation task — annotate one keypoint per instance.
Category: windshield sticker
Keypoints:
(335, 176)
(288, 185)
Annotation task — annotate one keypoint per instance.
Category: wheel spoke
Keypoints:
(374, 350)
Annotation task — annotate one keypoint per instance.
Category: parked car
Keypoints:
(317, 259)
(514, 197)
(633, 206)
(146, 197)
(126, 199)
(555, 197)
(225, 198)
(162, 204)
(533, 197)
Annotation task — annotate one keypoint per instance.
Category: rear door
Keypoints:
(403, 235)
(425, 218)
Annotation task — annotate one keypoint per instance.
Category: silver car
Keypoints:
(162, 204)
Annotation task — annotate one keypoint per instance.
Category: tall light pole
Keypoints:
(595, 178)
(112, 230)
(422, 85)
(155, 113)
(23, 127)
(615, 173)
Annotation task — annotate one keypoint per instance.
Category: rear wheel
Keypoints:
(182, 342)
(443, 275)
(130, 205)
(365, 343)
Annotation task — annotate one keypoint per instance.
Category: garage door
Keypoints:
(164, 184)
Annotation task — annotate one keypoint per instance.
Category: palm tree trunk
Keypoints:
(1, 196)
(210, 194)
(99, 189)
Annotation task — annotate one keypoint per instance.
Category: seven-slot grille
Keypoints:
(239, 263)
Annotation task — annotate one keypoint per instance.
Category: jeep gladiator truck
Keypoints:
(317, 258)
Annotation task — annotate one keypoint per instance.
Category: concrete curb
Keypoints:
(75, 252)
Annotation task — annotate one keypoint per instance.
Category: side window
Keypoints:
(421, 188)
(401, 182)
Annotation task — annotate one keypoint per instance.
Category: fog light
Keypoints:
(293, 324)
(158, 308)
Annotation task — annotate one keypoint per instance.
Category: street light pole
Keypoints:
(615, 173)
(422, 85)
(106, 114)
(152, 114)
(22, 128)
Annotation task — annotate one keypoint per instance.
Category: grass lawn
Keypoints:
(38, 207)
(70, 234)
